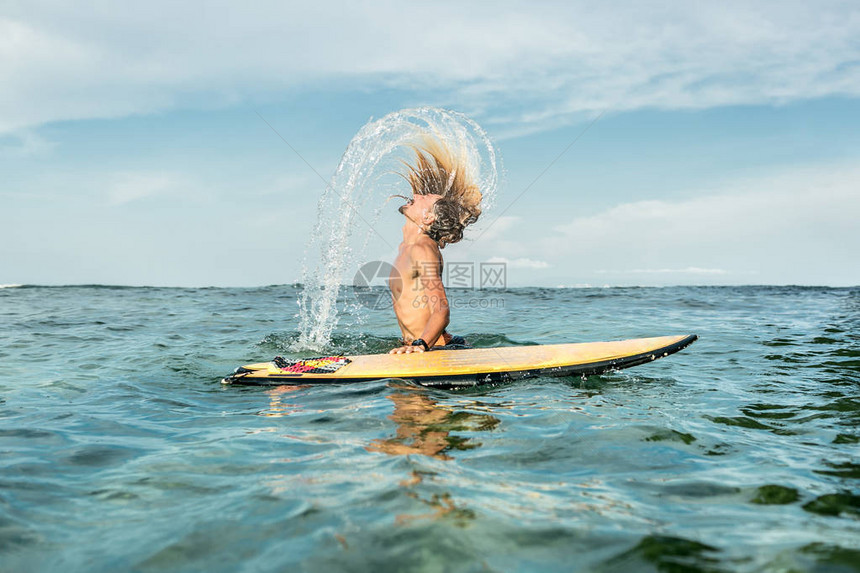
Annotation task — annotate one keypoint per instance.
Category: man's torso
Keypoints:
(408, 283)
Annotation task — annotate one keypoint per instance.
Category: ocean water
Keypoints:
(121, 450)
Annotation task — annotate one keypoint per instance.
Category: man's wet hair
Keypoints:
(439, 171)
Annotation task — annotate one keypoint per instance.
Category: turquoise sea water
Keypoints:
(120, 449)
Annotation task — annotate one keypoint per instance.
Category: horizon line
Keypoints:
(298, 284)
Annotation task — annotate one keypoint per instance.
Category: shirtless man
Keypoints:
(444, 202)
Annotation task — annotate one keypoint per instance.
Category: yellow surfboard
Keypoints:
(465, 367)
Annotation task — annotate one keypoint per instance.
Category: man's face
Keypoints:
(419, 209)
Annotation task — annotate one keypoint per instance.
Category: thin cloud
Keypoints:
(782, 228)
(518, 67)
(129, 187)
(520, 263)
(26, 143)
(686, 271)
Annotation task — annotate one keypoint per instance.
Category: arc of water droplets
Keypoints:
(334, 247)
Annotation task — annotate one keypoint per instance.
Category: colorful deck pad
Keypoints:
(321, 365)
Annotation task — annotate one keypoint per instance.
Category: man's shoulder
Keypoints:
(426, 257)
(425, 249)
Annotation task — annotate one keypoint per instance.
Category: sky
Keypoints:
(643, 143)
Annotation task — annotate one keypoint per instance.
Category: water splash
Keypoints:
(351, 205)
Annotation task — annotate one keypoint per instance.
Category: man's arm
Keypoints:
(427, 262)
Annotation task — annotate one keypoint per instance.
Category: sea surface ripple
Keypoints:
(121, 450)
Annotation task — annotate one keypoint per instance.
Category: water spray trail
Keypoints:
(374, 151)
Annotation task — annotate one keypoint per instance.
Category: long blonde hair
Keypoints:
(439, 171)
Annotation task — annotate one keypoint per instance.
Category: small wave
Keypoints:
(365, 343)
(481, 340)
(10, 286)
